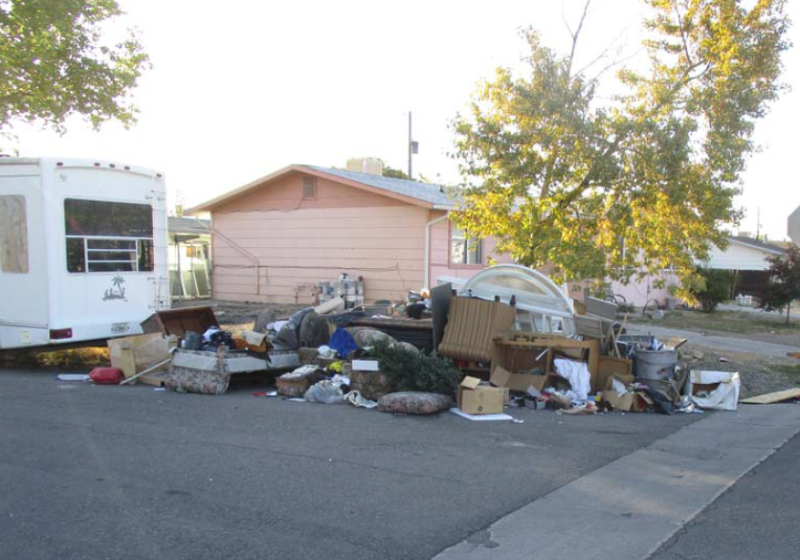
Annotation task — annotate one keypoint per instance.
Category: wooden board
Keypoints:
(772, 398)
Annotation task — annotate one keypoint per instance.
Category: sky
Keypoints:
(243, 88)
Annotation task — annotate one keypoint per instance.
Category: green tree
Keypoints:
(715, 287)
(389, 171)
(784, 285)
(55, 62)
(639, 184)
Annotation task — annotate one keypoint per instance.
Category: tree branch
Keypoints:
(575, 37)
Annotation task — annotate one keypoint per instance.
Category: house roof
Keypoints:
(422, 194)
(429, 192)
(756, 244)
(179, 224)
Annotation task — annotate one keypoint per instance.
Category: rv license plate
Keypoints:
(119, 328)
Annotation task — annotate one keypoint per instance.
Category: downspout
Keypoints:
(428, 248)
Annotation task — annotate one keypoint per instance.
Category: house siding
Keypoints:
(294, 243)
(738, 257)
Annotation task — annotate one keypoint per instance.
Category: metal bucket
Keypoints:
(658, 365)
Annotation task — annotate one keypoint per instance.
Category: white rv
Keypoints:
(83, 250)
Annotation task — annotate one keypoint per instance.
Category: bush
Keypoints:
(717, 286)
(414, 371)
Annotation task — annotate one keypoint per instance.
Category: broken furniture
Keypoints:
(518, 352)
(181, 321)
(541, 305)
(472, 327)
(199, 371)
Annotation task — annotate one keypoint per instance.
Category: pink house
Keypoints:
(275, 238)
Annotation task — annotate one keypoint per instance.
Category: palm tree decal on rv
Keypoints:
(117, 290)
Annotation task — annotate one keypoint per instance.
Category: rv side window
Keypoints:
(108, 236)
(13, 234)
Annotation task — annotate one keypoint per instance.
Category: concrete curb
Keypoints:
(628, 508)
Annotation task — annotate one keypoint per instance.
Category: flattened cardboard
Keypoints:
(675, 342)
(133, 354)
(772, 398)
(256, 341)
(474, 398)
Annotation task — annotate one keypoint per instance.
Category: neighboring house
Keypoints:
(749, 259)
(745, 256)
(188, 257)
(275, 238)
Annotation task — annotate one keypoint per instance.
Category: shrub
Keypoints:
(414, 371)
(717, 286)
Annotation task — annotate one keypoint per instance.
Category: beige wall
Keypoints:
(297, 243)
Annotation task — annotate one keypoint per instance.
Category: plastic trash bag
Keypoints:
(325, 392)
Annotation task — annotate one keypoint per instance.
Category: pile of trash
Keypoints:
(326, 354)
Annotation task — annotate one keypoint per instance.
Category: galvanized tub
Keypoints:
(656, 365)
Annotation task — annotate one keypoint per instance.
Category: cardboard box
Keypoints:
(632, 401)
(608, 367)
(474, 398)
(716, 390)
(519, 382)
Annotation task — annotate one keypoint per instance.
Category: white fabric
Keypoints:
(577, 373)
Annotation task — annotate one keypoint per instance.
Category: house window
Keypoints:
(13, 234)
(464, 250)
(309, 187)
(108, 236)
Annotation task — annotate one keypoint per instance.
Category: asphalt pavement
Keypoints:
(757, 518)
(131, 473)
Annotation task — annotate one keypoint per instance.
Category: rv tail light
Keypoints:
(60, 334)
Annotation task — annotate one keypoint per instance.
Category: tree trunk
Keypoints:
(788, 312)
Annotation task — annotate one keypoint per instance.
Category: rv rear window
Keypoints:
(108, 236)
(13, 234)
(107, 219)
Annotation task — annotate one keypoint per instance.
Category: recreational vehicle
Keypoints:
(82, 250)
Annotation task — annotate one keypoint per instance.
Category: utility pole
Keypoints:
(758, 224)
(413, 147)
